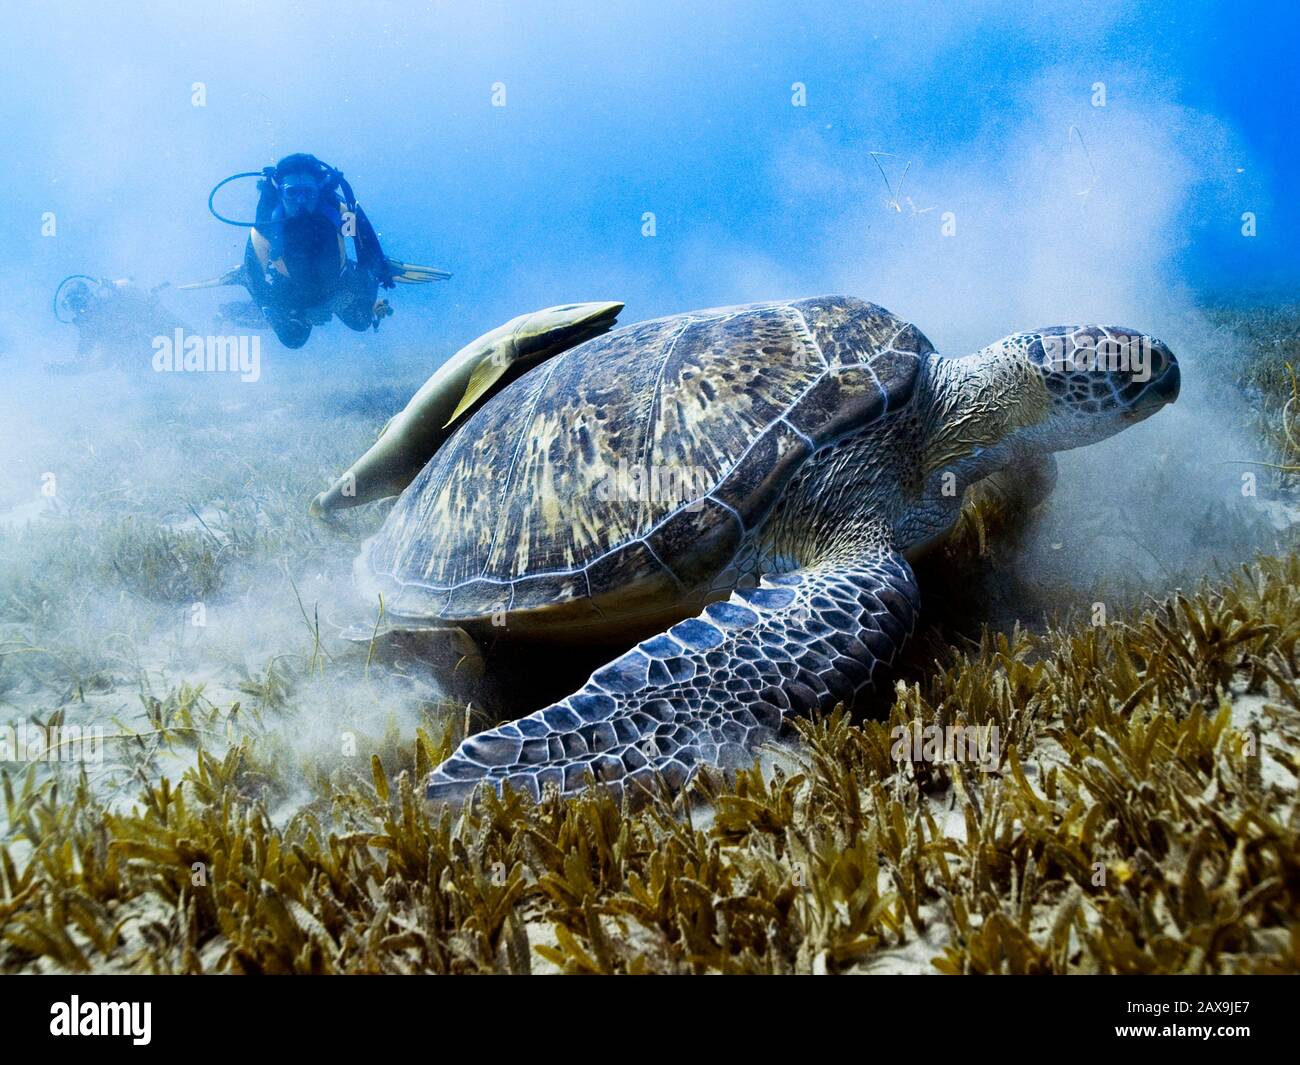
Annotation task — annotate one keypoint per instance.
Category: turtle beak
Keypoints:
(1164, 386)
(1167, 386)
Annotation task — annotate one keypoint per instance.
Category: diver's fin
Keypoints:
(480, 370)
(411, 274)
(233, 276)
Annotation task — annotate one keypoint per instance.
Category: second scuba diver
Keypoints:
(296, 265)
(117, 320)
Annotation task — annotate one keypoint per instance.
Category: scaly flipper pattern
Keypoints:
(710, 690)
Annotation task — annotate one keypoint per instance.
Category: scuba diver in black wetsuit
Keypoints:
(296, 265)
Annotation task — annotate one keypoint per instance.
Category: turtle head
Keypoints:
(1067, 386)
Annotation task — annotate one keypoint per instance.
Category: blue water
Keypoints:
(687, 112)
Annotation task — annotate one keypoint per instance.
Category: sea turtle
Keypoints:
(740, 489)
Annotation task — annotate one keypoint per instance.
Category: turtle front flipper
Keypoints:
(710, 689)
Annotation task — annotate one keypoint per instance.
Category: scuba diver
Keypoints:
(296, 260)
(296, 267)
(117, 321)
